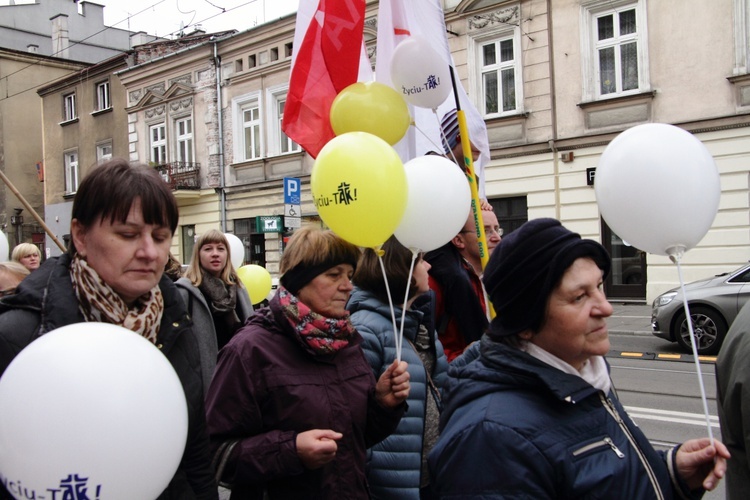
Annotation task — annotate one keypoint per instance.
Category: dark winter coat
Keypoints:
(45, 300)
(266, 389)
(733, 394)
(394, 465)
(515, 427)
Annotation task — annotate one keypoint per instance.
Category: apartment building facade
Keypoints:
(21, 137)
(555, 82)
(41, 42)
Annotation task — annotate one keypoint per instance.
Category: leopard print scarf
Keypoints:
(98, 302)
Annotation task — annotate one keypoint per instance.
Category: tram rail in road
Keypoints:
(676, 417)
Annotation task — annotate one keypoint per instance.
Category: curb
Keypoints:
(686, 358)
(631, 333)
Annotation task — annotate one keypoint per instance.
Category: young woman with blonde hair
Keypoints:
(215, 297)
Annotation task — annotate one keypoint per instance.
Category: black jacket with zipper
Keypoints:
(45, 300)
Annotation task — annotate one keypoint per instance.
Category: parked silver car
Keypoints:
(713, 304)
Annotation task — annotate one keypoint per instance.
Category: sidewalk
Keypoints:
(630, 319)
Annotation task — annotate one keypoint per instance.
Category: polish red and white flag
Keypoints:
(325, 60)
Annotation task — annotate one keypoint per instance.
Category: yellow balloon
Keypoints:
(370, 107)
(359, 188)
(257, 281)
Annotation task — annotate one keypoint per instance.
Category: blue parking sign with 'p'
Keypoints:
(291, 191)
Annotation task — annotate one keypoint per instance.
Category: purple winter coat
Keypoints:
(267, 389)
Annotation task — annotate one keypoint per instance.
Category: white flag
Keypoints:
(397, 20)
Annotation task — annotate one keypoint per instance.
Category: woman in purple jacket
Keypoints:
(293, 404)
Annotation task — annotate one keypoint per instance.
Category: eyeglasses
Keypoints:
(487, 230)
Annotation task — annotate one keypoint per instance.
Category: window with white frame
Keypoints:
(286, 145)
(184, 137)
(615, 58)
(278, 142)
(247, 127)
(71, 172)
(499, 63)
(69, 107)
(102, 96)
(104, 152)
(742, 36)
(251, 129)
(158, 143)
(496, 74)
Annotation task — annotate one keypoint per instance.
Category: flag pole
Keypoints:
(463, 131)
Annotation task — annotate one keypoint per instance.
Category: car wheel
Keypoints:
(709, 329)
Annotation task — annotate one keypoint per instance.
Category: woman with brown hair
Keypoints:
(293, 404)
(122, 224)
(371, 313)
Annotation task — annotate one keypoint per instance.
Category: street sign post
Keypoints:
(292, 202)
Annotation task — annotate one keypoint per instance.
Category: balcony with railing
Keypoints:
(181, 174)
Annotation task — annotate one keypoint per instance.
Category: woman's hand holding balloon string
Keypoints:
(393, 386)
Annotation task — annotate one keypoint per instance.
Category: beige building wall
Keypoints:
(94, 135)
(173, 87)
(199, 209)
(255, 72)
(693, 81)
(21, 132)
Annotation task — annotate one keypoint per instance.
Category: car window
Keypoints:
(743, 277)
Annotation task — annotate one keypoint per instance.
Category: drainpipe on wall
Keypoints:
(556, 166)
(553, 110)
(220, 118)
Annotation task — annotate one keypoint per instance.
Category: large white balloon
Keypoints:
(4, 247)
(437, 205)
(236, 249)
(658, 188)
(91, 406)
(419, 73)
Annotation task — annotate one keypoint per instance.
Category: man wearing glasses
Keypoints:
(460, 302)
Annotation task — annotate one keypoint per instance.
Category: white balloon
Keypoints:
(4, 247)
(95, 406)
(658, 188)
(236, 250)
(437, 205)
(419, 73)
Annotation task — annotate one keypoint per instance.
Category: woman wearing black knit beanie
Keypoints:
(533, 414)
(293, 404)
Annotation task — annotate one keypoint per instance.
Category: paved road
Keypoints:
(630, 319)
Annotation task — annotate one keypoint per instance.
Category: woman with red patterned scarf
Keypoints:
(293, 404)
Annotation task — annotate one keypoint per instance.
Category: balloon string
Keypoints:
(400, 337)
(676, 260)
(438, 147)
(390, 303)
